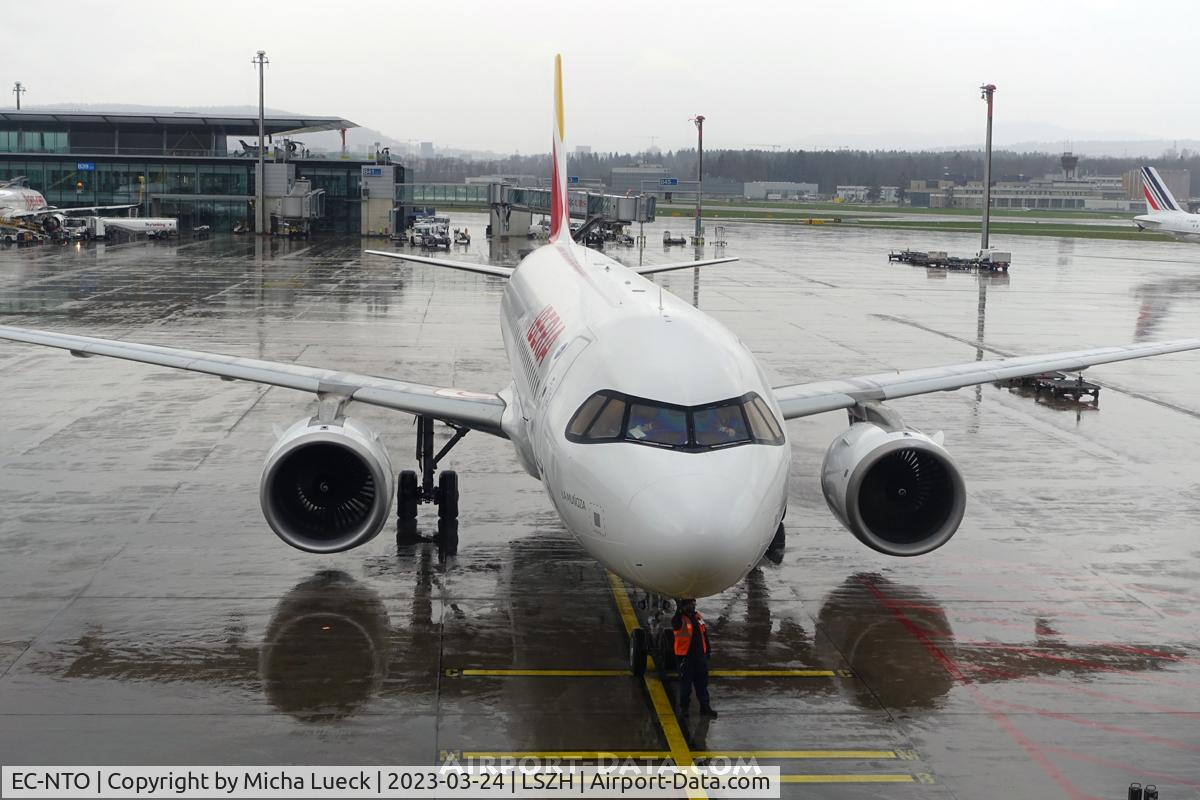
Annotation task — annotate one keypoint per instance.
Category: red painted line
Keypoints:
(1174, 658)
(1156, 590)
(1001, 720)
(1126, 769)
(1093, 666)
(1174, 744)
(1070, 687)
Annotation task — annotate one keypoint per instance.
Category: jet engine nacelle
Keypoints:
(327, 486)
(897, 490)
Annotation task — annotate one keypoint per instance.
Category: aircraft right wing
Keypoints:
(467, 266)
(650, 269)
(804, 399)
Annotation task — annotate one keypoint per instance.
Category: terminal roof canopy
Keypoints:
(231, 124)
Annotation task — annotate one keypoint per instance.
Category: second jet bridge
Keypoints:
(514, 207)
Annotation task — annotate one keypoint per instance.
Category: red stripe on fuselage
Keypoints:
(1149, 197)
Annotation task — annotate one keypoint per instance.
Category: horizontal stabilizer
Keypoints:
(482, 269)
(650, 269)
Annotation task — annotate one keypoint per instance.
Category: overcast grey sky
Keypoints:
(478, 74)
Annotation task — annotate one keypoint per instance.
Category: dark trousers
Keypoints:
(693, 672)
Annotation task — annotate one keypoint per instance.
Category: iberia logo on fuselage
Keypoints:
(33, 201)
(543, 332)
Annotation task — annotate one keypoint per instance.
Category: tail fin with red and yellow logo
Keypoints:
(560, 214)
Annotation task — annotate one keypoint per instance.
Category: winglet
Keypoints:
(1158, 196)
(560, 214)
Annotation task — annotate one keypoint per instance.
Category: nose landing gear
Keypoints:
(411, 492)
(656, 640)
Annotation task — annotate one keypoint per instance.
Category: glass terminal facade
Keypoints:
(172, 165)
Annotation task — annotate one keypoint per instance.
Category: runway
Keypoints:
(149, 615)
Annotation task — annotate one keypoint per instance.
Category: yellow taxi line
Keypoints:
(623, 673)
(569, 755)
(847, 779)
(783, 755)
(681, 754)
(544, 673)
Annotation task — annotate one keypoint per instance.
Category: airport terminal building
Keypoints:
(177, 164)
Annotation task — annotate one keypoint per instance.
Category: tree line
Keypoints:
(827, 168)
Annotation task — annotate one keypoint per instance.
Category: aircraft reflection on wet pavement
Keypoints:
(331, 648)
(1158, 298)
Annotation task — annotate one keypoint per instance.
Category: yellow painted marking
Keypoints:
(847, 779)
(773, 673)
(593, 755)
(680, 753)
(545, 673)
(623, 673)
(558, 98)
(569, 755)
(797, 754)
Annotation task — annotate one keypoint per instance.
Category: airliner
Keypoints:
(20, 204)
(657, 436)
(1164, 214)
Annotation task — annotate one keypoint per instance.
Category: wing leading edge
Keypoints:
(474, 410)
(650, 269)
(467, 266)
(805, 399)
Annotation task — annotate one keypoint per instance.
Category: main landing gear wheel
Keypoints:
(638, 645)
(665, 651)
(447, 495)
(780, 539)
(427, 486)
(408, 494)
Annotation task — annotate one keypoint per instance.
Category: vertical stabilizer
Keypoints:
(1158, 196)
(560, 214)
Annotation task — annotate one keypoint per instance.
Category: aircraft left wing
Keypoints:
(483, 269)
(475, 410)
(650, 269)
(804, 399)
(41, 212)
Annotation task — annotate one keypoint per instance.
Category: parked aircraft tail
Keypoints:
(1158, 196)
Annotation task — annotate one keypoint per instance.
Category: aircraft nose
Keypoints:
(701, 533)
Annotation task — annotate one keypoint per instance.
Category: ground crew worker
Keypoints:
(692, 649)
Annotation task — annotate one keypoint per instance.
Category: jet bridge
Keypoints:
(513, 207)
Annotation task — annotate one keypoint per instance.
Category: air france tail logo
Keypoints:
(543, 332)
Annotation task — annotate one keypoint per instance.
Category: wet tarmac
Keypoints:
(149, 616)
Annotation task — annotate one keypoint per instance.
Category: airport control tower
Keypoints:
(1069, 163)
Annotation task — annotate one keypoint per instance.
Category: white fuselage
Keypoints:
(1179, 224)
(18, 199)
(683, 524)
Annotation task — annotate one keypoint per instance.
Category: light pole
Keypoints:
(260, 60)
(698, 239)
(986, 92)
(18, 90)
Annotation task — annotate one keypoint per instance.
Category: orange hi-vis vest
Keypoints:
(683, 636)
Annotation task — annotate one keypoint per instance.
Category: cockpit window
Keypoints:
(586, 414)
(657, 424)
(608, 424)
(609, 416)
(720, 425)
